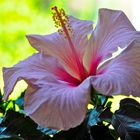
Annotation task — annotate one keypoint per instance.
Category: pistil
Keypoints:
(61, 20)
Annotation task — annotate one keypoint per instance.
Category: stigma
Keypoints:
(61, 20)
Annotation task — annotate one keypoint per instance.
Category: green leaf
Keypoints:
(47, 131)
(97, 99)
(126, 120)
(102, 99)
(129, 110)
(108, 105)
(10, 137)
(127, 128)
(94, 117)
(114, 134)
(18, 124)
(0, 97)
(20, 102)
(129, 101)
(2, 109)
(106, 115)
(80, 132)
(100, 132)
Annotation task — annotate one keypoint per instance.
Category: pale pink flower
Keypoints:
(61, 74)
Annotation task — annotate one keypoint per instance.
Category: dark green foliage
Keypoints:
(101, 132)
(47, 131)
(15, 125)
(81, 132)
(20, 101)
(101, 111)
(126, 120)
(94, 117)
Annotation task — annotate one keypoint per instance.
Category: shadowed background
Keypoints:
(18, 18)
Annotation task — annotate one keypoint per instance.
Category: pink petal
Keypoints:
(83, 27)
(113, 30)
(122, 74)
(47, 44)
(53, 43)
(57, 45)
(81, 30)
(32, 70)
(58, 105)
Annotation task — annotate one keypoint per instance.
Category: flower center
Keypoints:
(62, 20)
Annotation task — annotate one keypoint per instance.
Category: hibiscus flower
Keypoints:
(69, 63)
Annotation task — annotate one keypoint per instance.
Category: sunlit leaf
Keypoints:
(94, 117)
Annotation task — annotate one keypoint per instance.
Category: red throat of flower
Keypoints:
(62, 20)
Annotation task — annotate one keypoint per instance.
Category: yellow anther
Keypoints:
(61, 20)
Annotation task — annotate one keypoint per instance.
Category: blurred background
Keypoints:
(21, 17)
